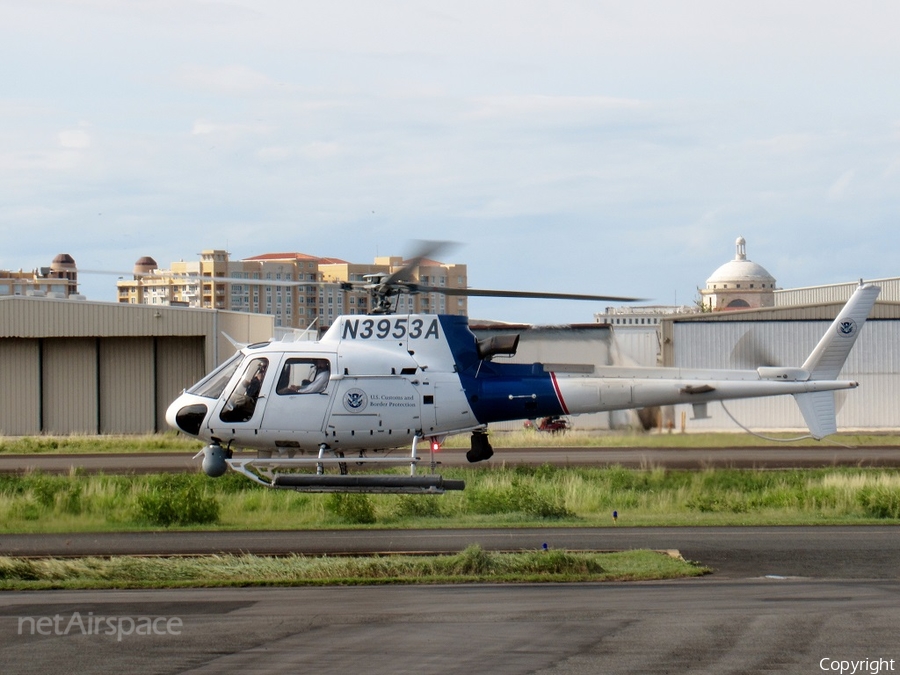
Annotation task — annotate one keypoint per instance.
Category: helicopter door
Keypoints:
(239, 413)
(296, 409)
(374, 412)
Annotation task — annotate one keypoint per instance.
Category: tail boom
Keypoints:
(812, 384)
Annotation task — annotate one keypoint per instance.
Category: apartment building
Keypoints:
(60, 280)
(304, 291)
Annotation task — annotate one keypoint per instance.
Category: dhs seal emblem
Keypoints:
(355, 400)
(846, 328)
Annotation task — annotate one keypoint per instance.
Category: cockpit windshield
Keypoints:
(213, 384)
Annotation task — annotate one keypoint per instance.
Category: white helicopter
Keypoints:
(384, 381)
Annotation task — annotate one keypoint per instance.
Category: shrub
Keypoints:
(176, 499)
(517, 497)
(25, 510)
(45, 488)
(723, 503)
(353, 507)
(472, 560)
(562, 562)
(418, 506)
(880, 502)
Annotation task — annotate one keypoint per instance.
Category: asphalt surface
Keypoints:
(673, 458)
(695, 626)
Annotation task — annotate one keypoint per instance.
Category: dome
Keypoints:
(740, 270)
(145, 265)
(62, 262)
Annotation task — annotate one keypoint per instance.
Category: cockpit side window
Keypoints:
(303, 376)
(214, 384)
(242, 401)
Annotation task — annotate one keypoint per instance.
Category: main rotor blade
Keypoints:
(485, 293)
(424, 250)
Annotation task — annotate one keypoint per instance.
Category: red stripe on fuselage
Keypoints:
(559, 395)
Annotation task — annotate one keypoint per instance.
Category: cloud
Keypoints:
(553, 106)
(784, 143)
(233, 80)
(838, 189)
(74, 139)
(204, 127)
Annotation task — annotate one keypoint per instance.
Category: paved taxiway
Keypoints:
(697, 626)
(781, 600)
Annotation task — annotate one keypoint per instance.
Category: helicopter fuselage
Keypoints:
(378, 382)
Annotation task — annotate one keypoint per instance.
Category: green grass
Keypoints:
(494, 497)
(175, 442)
(470, 565)
(35, 445)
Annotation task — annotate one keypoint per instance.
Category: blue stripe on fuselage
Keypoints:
(498, 391)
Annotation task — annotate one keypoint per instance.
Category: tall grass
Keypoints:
(81, 444)
(176, 442)
(471, 564)
(544, 496)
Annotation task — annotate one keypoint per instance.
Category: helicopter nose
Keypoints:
(187, 418)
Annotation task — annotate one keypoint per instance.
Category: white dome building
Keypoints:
(739, 284)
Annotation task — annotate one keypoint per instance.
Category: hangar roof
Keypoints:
(38, 317)
(819, 312)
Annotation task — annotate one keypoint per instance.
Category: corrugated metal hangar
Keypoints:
(73, 367)
(70, 366)
(734, 339)
(784, 336)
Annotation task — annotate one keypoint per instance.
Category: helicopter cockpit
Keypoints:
(241, 402)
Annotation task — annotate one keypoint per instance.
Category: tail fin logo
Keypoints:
(846, 328)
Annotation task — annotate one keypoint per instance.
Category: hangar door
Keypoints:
(119, 385)
(126, 385)
(179, 364)
(69, 386)
(140, 376)
(20, 391)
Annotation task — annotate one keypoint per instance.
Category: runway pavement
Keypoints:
(695, 626)
(782, 599)
(674, 458)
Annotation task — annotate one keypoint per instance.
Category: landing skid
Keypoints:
(273, 473)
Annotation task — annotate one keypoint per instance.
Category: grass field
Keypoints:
(521, 496)
(174, 442)
(543, 496)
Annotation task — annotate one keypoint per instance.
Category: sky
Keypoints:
(569, 146)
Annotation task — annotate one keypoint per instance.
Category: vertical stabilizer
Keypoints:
(818, 412)
(827, 359)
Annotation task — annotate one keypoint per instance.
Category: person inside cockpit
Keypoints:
(242, 402)
(304, 376)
